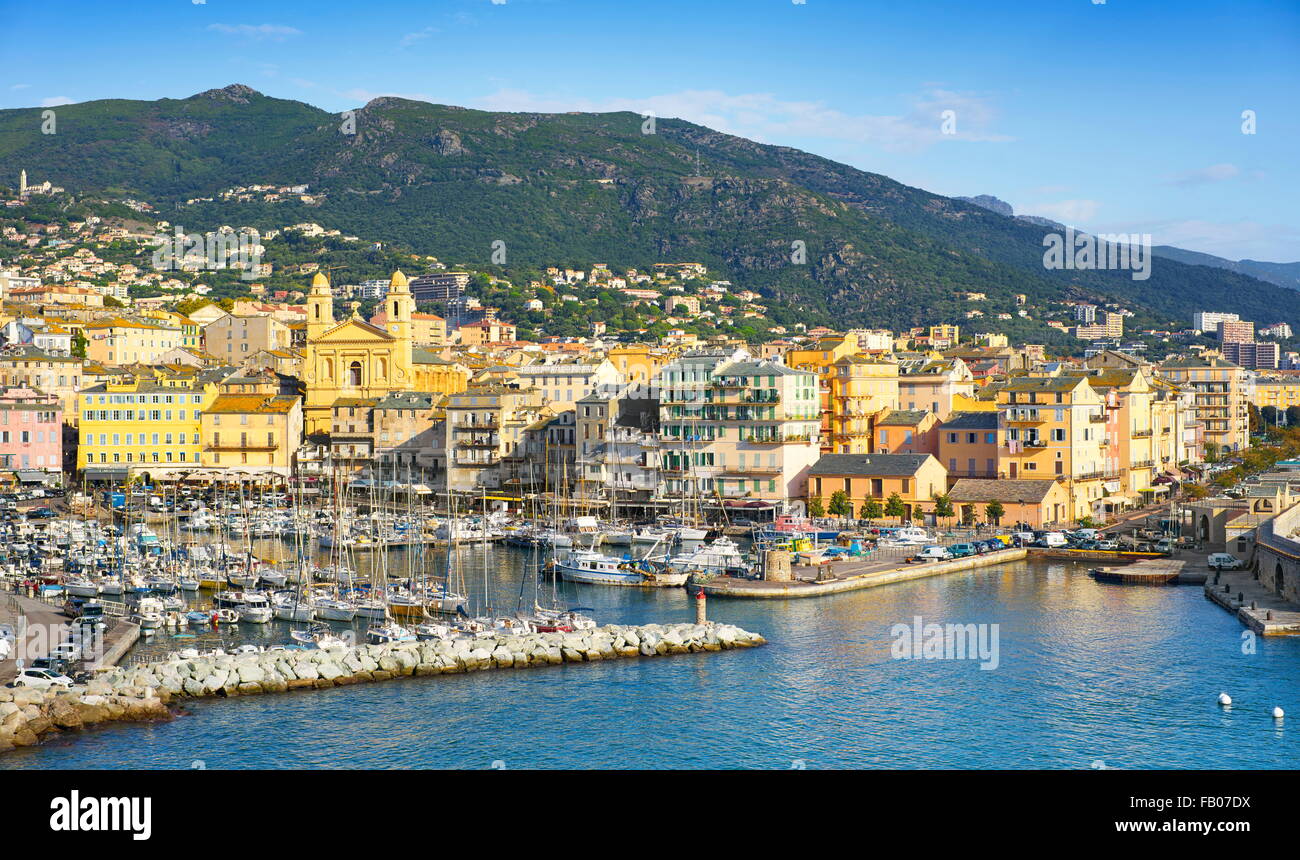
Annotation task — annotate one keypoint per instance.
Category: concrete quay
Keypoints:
(1255, 606)
(850, 575)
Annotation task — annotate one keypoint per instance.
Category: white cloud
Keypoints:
(1203, 175)
(418, 36)
(275, 32)
(766, 118)
(1069, 212)
(20, 86)
(55, 101)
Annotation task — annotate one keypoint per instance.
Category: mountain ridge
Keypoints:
(451, 181)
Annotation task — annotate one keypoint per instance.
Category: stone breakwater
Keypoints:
(143, 692)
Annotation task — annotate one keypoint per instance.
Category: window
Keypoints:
(354, 374)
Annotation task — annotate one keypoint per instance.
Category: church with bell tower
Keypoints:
(352, 358)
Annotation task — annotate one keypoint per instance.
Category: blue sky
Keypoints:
(1122, 116)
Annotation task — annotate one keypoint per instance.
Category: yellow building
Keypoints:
(861, 388)
(354, 358)
(191, 330)
(120, 341)
(141, 424)
(252, 432)
(820, 359)
(1056, 428)
(1279, 390)
(639, 363)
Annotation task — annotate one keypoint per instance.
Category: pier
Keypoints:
(142, 692)
(1260, 609)
(851, 575)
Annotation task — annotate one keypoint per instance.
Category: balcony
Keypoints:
(1141, 434)
(1024, 416)
(757, 470)
(483, 425)
(1089, 476)
(1097, 418)
(777, 439)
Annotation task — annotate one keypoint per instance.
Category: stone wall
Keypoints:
(143, 692)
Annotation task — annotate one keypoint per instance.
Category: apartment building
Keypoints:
(861, 388)
(733, 426)
(351, 433)
(60, 375)
(906, 431)
(968, 445)
(407, 431)
(119, 341)
(616, 445)
(561, 384)
(252, 434)
(233, 339)
(1220, 402)
(931, 384)
(1055, 428)
(820, 359)
(143, 424)
(485, 426)
(31, 430)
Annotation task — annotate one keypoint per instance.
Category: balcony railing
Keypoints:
(1141, 434)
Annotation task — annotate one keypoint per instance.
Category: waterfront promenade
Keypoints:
(39, 624)
(1255, 606)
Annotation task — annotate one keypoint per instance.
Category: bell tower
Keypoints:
(320, 307)
(399, 305)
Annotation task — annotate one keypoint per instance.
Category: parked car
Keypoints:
(1164, 545)
(961, 550)
(41, 678)
(1107, 544)
(933, 553)
(1223, 561)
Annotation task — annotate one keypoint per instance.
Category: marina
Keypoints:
(1073, 686)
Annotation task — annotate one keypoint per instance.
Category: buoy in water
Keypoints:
(1225, 699)
(1278, 713)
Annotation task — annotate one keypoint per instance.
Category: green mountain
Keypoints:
(1283, 274)
(580, 187)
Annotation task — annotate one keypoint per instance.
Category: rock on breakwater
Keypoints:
(143, 692)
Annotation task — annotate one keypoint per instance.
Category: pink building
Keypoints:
(31, 430)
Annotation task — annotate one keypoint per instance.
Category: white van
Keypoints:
(1087, 534)
(1053, 539)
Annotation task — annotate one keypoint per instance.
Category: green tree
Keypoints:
(894, 507)
(79, 343)
(815, 508)
(943, 506)
(840, 505)
(994, 511)
(1211, 452)
(871, 510)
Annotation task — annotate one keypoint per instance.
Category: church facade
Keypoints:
(354, 358)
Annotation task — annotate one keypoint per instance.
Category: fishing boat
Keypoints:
(149, 614)
(198, 617)
(593, 568)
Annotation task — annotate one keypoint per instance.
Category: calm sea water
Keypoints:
(1087, 674)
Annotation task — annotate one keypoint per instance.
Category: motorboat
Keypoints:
(256, 609)
(386, 633)
(335, 609)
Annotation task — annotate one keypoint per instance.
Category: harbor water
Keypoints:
(1087, 675)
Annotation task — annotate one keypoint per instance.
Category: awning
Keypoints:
(109, 474)
(32, 476)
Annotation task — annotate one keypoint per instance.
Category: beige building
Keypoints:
(256, 434)
(731, 426)
(233, 339)
(486, 426)
(120, 341)
(1220, 398)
